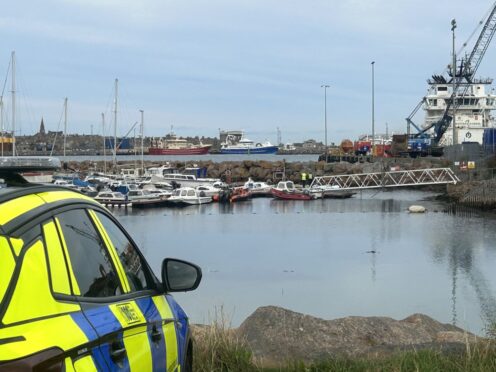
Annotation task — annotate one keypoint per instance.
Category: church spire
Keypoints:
(42, 127)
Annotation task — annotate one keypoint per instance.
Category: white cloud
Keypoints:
(68, 33)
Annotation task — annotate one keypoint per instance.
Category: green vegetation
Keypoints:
(219, 349)
(480, 358)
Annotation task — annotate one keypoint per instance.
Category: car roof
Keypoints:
(21, 204)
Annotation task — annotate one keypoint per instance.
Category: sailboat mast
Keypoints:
(104, 145)
(141, 130)
(134, 148)
(114, 160)
(65, 123)
(13, 105)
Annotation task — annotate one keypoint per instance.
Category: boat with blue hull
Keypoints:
(246, 146)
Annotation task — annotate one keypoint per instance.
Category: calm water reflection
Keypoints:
(314, 257)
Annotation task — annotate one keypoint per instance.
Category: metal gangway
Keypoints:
(363, 181)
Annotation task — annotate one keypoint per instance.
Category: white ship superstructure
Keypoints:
(458, 108)
(473, 110)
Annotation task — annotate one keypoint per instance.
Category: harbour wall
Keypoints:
(273, 171)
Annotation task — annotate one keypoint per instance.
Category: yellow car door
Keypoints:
(116, 292)
(42, 325)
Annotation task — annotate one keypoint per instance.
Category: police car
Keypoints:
(76, 294)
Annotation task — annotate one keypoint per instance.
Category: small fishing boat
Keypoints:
(232, 195)
(286, 190)
(187, 196)
(240, 194)
(258, 189)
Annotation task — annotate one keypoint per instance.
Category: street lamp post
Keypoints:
(325, 119)
(373, 110)
(453, 96)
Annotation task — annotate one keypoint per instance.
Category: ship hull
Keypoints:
(201, 150)
(252, 150)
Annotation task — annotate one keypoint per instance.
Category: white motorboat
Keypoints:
(157, 191)
(208, 190)
(163, 185)
(139, 194)
(84, 188)
(191, 177)
(112, 198)
(258, 188)
(64, 183)
(333, 192)
(149, 197)
(188, 196)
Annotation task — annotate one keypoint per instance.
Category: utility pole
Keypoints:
(373, 110)
(142, 138)
(13, 105)
(325, 120)
(453, 96)
(114, 160)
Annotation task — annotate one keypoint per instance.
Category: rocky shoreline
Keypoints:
(479, 194)
(262, 170)
(276, 336)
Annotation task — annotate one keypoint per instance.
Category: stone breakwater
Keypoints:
(476, 194)
(240, 171)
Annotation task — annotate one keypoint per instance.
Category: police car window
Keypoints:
(90, 261)
(129, 257)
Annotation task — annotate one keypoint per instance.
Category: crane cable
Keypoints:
(481, 22)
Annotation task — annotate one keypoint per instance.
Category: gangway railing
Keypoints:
(416, 177)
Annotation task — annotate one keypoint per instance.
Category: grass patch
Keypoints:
(217, 348)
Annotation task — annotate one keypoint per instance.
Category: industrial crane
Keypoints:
(461, 78)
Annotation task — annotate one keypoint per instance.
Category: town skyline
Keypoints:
(252, 66)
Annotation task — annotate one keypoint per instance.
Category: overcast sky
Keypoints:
(254, 65)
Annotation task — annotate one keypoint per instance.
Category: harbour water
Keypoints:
(316, 257)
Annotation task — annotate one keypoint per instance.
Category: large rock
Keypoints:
(259, 173)
(277, 335)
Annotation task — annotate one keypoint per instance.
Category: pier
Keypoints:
(363, 181)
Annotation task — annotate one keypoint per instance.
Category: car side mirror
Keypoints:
(180, 276)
